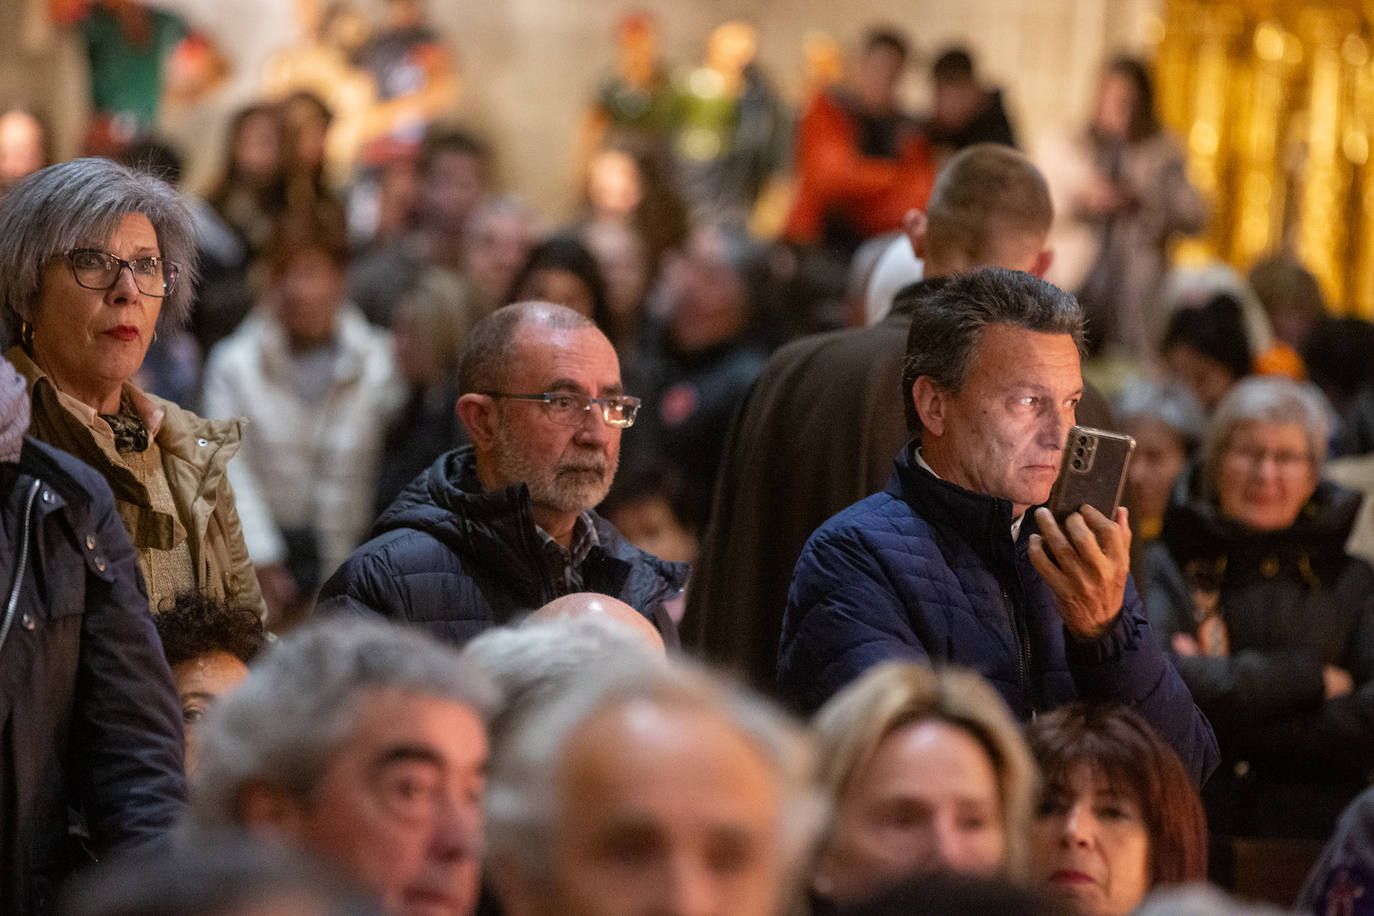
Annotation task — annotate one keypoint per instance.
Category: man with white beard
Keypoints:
(496, 529)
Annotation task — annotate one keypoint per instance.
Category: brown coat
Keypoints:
(195, 454)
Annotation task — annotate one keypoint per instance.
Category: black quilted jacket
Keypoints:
(456, 560)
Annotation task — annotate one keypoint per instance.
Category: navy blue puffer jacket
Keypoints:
(927, 571)
(456, 560)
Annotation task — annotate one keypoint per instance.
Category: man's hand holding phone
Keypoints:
(1085, 564)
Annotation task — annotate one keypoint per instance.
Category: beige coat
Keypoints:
(195, 456)
(309, 458)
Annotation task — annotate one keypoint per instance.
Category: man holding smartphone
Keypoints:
(945, 566)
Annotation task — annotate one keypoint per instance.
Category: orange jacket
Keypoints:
(833, 176)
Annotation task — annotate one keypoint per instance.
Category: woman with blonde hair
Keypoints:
(927, 771)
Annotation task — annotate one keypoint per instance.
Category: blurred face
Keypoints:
(956, 102)
(567, 468)
(257, 148)
(201, 681)
(613, 183)
(926, 801)
(731, 47)
(1158, 460)
(498, 247)
(93, 341)
(620, 255)
(1090, 846)
(400, 809)
(453, 187)
(652, 526)
(309, 129)
(1003, 433)
(21, 146)
(710, 300)
(1206, 378)
(875, 79)
(561, 287)
(1115, 103)
(309, 291)
(665, 811)
(1266, 475)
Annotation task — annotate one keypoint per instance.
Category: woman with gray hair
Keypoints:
(1272, 622)
(926, 771)
(95, 255)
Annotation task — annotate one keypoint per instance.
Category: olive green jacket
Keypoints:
(195, 454)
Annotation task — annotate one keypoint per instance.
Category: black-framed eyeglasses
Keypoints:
(96, 269)
(571, 408)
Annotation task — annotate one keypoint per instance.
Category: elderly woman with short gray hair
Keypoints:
(95, 256)
(1272, 621)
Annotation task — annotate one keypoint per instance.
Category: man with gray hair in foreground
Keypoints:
(663, 790)
(363, 744)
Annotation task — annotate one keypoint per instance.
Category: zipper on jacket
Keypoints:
(13, 603)
(1022, 647)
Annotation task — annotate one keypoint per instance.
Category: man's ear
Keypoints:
(914, 225)
(478, 413)
(931, 403)
(264, 808)
(1041, 265)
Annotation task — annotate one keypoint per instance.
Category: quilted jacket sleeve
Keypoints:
(843, 616)
(1127, 665)
(366, 585)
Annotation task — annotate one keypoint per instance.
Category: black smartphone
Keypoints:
(1092, 473)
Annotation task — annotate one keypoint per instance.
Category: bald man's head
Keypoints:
(584, 604)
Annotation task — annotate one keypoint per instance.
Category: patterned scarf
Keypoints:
(14, 412)
(130, 432)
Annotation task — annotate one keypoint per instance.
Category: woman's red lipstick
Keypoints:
(124, 332)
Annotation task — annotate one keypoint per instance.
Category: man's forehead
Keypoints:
(1010, 353)
(541, 354)
(386, 714)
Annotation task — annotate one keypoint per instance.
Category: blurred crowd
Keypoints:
(334, 587)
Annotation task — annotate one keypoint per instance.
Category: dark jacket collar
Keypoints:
(496, 529)
(905, 300)
(981, 521)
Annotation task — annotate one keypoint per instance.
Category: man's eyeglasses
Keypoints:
(570, 408)
(96, 269)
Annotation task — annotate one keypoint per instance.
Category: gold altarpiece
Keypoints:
(1276, 102)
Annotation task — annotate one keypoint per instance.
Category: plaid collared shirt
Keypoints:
(566, 564)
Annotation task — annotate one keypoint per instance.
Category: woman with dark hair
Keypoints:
(1120, 195)
(95, 258)
(250, 193)
(209, 643)
(1271, 620)
(233, 224)
(1205, 348)
(1118, 816)
(561, 270)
